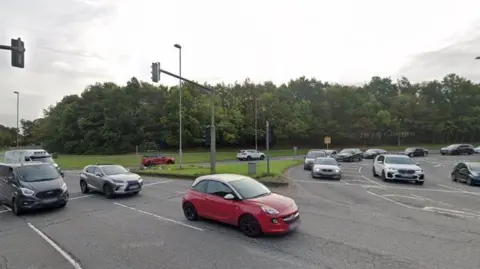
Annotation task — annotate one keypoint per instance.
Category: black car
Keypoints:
(468, 172)
(372, 153)
(415, 152)
(331, 153)
(350, 155)
(311, 156)
(457, 149)
(31, 186)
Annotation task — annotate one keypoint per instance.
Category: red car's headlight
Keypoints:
(270, 211)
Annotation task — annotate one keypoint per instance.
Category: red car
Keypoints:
(240, 201)
(153, 160)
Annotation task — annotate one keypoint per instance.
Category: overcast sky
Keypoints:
(72, 43)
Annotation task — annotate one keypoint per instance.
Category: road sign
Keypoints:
(327, 140)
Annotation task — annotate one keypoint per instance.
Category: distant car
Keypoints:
(240, 201)
(477, 150)
(31, 185)
(415, 152)
(397, 167)
(331, 153)
(457, 149)
(110, 180)
(311, 156)
(372, 153)
(158, 159)
(250, 154)
(326, 167)
(350, 155)
(467, 172)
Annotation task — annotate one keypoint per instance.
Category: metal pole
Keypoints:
(180, 153)
(18, 106)
(256, 120)
(268, 148)
(212, 136)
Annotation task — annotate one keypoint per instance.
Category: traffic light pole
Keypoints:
(210, 91)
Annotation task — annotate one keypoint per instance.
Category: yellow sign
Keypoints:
(327, 140)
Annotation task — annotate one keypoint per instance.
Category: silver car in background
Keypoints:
(326, 167)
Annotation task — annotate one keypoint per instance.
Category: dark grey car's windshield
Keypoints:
(453, 146)
(33, 173)
(313, 155)
(114, 170)
(326, 161)
(249, 188)
(348, 151)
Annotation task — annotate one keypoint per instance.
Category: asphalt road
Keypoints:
(359, 222)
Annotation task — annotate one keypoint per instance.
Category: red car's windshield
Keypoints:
(249, 188)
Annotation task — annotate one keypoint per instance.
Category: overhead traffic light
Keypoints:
(156, 72)
(18, 53)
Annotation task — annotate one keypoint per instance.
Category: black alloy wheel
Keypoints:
(108, 191)
(249, 226)
(83, 186)
(190, 212)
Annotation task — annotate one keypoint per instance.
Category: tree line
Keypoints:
(108, 118)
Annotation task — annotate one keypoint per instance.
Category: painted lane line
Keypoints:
(320, 182)
(155, 183)
(67, 256)
(450, 211)
(180, 192)
(403, 196)
(5, 211)
(159, 217)
(6, 207)
(360, 170)
(373, 181)
(460, 190)
(393, 201)
(80, 197)
(344, 182)
(428, 199)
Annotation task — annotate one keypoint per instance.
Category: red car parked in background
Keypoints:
(158, 159)
(240, 201)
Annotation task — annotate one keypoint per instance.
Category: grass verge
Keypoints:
(275, 177)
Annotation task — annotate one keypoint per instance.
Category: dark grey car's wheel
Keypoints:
(250, 226)
(84, 186)
(16, 208)
(454, 177)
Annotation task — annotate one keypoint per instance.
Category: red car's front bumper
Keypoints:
(283, 224)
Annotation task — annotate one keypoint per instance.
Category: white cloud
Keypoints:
(71, 43)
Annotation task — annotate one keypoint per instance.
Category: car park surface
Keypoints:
(358, 222)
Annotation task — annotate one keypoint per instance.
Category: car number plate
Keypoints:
(49, 201)
(134, 187)
(294, 225)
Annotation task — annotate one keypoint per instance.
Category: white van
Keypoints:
(30, 155)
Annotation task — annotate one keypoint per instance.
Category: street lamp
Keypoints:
(18, 105)
(180, 154)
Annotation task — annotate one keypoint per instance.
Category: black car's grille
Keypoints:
(406, 171)
(327, 170)
(49, 194)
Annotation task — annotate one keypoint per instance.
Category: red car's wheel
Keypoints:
(190, 212)
(250, 226)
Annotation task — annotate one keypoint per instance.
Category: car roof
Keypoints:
(14, 165)
(395, 155)
(329, 158)
(225, 178)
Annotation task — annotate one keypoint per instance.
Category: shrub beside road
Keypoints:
(277, 168)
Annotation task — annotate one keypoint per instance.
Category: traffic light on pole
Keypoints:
(156, 72)
(18, 53)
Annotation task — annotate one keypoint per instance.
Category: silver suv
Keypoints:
(110, 180)
(397, 167)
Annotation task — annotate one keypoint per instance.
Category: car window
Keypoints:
(34, 173)
(347, 151)
(381, 158)
(315, 154)
(475, 167)
(201, 186)
(326, 161)
(218, 188)
(249, 188)
(97, 171)
(90, 169)
(114, 170)
(398, 160)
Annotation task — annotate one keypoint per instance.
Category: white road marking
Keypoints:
(450, 211)
(6, 207)
(159, 217)
(319, 181)
(393, 201)
(181, 192)
(360, 170)
(373, 181)
(344, 182)
(428, 199)
(5, 211)
(460, 190)
(403, 196)
(80, 197)
(155, 183)
(56, 247)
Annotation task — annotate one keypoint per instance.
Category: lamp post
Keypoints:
(18, 105)
(180, 153)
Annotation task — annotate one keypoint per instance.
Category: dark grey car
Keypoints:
(110, 180)
(31, 186)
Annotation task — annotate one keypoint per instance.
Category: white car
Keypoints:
(397, 167)
(477, 150)
(250, 154)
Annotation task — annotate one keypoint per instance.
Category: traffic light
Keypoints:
(206, 135)
(18, 53)
(156, 72)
